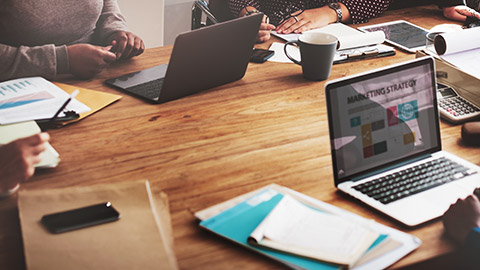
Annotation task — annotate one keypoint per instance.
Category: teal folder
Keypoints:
(238, 222)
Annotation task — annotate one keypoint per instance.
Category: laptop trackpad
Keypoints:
(140, 77)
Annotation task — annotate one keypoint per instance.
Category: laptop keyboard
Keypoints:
(413, 180)
(150, 90)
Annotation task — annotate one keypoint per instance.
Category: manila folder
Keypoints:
(135, 241)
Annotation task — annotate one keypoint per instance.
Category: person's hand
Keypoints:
(17, 159)
(462, 217)
(300, 22)
(88, 60)
(265, 27)
(460, 13)
(126, 44)
(265, 30)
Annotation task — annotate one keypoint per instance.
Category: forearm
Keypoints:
(237, 7)
(472, 248)
(362, 10)
(110, 21)
(46, 61)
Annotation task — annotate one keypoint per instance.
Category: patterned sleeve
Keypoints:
(362, 10)
(236, 6)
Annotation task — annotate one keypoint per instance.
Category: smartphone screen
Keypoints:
(80, 218)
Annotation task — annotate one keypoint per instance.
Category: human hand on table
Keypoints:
(18, 159)
(126, 44)
(299, 22)
(265, 30)
(462, 217)
(87, 60)
(460, 13)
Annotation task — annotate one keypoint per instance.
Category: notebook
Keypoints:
(201, 59)
(386, 146)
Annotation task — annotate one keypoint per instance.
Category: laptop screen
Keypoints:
(382, 118)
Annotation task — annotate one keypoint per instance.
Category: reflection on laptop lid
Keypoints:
(201, 59)
(383, 124)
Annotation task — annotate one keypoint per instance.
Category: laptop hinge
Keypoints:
(392, 167)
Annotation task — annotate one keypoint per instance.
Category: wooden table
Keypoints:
(269, 127)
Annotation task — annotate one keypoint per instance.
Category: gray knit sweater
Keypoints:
(34, 33)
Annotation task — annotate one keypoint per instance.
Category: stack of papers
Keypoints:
(305, 233)
(32, 99)
(352, 44)
(299, 229)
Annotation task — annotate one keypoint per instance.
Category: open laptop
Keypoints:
(386, 147)
(201, 59)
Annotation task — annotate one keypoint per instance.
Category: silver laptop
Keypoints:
(386, 147)
(201, 59)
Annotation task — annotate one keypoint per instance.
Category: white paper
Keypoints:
(295, 227)
(33, 98)
(347, 36)
(280, 56)
(294, 52)
(463, 50)
(460, 41)
(409, 242)
(286, 37)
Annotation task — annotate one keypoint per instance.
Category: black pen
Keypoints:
(72, 96)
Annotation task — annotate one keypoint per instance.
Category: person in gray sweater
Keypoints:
(52, 37)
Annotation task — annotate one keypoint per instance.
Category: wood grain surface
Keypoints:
(269, 127)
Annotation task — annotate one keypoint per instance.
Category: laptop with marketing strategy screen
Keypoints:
(201, 59)
(386, 146)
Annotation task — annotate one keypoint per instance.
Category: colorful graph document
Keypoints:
(33, 98)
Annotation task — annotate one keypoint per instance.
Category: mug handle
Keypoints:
(289, 57)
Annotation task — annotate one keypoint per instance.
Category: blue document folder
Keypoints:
(238, 222)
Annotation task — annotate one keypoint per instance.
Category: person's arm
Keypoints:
(460, 13)
(237, 7)
(46, 61)
(462, 217)
(17, 161)
(302, 21)
(362, 10)
(111, 29)
(110, 21)
(240, 8)
(462, 223)
(353, 11)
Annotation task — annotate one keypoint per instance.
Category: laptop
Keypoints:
(385, 143)
(201, 59)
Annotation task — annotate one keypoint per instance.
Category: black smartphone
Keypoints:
(80, 218)
(261, 55)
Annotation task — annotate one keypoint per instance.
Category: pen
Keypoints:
(72, 96)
